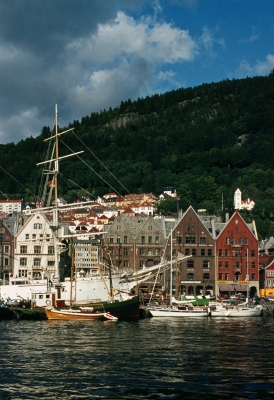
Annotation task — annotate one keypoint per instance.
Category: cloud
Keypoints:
(208, 41)
(91, 72)
(260, 68)
(252, 38)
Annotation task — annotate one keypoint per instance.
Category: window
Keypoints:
(206, 277)
(27, 236)
(23, 261)
(150, 239)
(190, 239)
(7, 249)
(125, 251)
(110, 250)
(179, 239)
(190, 264)
(37, 262)
(157, 252)
(194, 252)
(190, 277)
(187, 252)
(143, 239)
(237, 265)
(206, 264)
(253, 265)
(111, 239)
(232, 241)
(50, 249)
(209, 252)
(156, 239)
(126, 264)
(252, 253)
(220, 264)
(118, 239)
(220, 252)
(246, 240)
(142, 252)
(226, 277)
(23, 249)
(226, 253)
(220, 277)
(6, 262)
(253, 277)
(37, 226)
(150, 252)
(22, 273)
(226, 240)
(226, 264)
(202, 240)
(125, 239)
(50, 263)
(34, 237)
(202, 252)
(240, 240)
(37, 249)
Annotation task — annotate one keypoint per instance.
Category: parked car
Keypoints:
(18, 303)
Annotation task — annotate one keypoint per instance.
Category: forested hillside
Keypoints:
(207, 141)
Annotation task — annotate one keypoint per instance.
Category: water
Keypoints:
(151, 359)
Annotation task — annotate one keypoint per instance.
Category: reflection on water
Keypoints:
(152, 359)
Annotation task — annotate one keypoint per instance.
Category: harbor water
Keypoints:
(153, 358)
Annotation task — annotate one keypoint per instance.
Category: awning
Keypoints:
(232, 288)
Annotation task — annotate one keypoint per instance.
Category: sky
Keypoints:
(89, 55)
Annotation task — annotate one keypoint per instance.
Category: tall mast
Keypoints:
(55, 173)
(55, 210)
(170, 293)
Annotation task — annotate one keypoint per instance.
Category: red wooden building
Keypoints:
(237, 260)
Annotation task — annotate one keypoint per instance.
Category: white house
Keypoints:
(34, 248)
(240, 204)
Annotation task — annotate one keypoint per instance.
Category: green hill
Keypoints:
(206, 141)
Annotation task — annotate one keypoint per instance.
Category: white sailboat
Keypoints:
(177, 310)
(238, 310)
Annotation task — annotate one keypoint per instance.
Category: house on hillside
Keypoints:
(240, 204)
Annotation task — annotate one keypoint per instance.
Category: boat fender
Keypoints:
(48, 303)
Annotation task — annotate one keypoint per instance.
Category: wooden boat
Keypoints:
(122, 309)
(81, 313)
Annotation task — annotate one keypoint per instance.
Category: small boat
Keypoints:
(180, 311)
(237, 310)
(81, 313)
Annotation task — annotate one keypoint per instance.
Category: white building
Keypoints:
(34, 249)
(10, 206)
(240, 204)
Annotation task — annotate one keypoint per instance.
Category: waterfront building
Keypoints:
(134, 242)
(6, 253)
(191, 237)
(237, 257)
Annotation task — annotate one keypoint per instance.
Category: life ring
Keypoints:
(48, 302)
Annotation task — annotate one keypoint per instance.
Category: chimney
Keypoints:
(226, 217)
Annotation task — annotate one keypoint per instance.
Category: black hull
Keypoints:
(123, 309)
